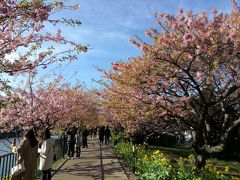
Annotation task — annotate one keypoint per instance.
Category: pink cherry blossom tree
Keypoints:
(189, 73)
(23, 25)
(25, 42)
(53, 104)
(82, 107)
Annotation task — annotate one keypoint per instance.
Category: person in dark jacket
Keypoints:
(71, 140)
(101, 134)
(107, 135)
(84, 138)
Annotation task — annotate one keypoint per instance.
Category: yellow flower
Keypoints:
(157, 152)
(198, 178)
(227, 169)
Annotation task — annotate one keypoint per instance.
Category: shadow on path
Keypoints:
(101, 161)
(95, 163)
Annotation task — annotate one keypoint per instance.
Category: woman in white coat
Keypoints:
(46, 154)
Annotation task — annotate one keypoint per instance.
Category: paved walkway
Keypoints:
(95, 163)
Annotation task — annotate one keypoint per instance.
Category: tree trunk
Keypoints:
(199, 160)
(198, 154)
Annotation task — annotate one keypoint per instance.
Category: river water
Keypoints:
(5, 146)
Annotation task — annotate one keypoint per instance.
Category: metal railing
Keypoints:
(60, 147)
(7, 161)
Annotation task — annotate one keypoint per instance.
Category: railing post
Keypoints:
(0, 168)
(7, 161)
(134, 158)
(3, 164)
(64, 144)
(8, 167)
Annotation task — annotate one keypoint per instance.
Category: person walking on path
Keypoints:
(46, 154)
(107, 135)
(84, 138)
(71, 140)
(95, 132)
(101, 134)
(27, 154)
(78, 137)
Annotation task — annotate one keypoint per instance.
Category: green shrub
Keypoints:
(161, 140)
(116, 138)
(184, 171)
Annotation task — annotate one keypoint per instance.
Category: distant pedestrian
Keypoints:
(71, 140)
(95, 132)
(27, 154)
(107, 135)
(45, 150)
(78, 137)
(90, 132)
(101, 134)
(84, 138)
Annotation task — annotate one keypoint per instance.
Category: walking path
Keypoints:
(95, 163)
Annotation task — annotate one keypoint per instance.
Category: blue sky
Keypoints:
(107, 26)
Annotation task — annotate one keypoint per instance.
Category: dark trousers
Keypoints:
(78, 150)
(46, 174)
(71, 149)
(107, 140)
(84, 141)
(101, 138)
